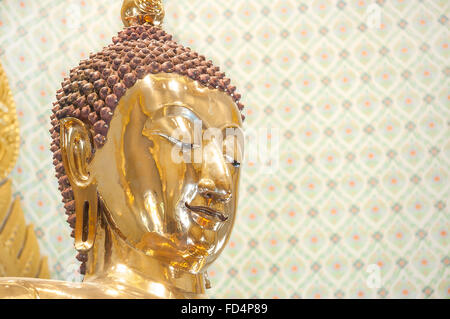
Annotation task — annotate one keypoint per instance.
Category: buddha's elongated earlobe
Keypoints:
(76, 152)
(86, 212)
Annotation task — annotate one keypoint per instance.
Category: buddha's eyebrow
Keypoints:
(177, 110)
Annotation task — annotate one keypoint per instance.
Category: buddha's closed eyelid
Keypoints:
(175, 141)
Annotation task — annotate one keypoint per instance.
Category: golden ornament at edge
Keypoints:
(19, 248)
(9, 128)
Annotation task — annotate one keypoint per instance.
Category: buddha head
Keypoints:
(147, 139)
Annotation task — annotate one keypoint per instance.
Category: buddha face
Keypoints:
(168, 174)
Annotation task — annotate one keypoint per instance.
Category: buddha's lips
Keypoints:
(208, 211)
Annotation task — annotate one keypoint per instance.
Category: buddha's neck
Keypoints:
(113, 263)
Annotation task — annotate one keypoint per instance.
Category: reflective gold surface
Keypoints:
(19, 249)
(166, 203)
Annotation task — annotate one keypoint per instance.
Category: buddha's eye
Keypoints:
(183, 146)
(232, 151)
(232, 161)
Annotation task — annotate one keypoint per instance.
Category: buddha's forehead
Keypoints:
(159, 92)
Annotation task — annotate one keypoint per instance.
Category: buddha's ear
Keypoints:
(77, 150)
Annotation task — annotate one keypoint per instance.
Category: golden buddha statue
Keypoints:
(147, 145)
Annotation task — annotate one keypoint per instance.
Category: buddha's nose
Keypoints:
(215, 177)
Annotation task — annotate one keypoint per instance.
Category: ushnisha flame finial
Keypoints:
(138, 12)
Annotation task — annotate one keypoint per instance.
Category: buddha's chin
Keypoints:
(190, 255)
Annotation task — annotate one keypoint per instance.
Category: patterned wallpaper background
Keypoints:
(357, 92)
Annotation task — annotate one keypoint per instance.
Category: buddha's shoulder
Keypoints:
(31, 288)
